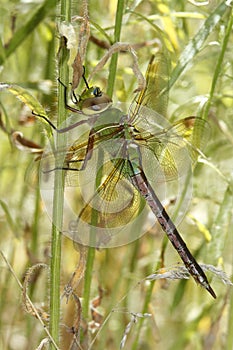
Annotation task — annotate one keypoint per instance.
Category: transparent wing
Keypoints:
(108, 213)
(155, 94)
(174, 147)
(74, 157)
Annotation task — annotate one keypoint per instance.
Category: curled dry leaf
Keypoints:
(31, 308)
(78, 273)
(117, 47)
(84, 34)
(24, 144)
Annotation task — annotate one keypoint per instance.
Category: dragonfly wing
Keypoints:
(196, 132)
(193, 132)
(175, 148)
(68, 157)
(76, 154)
(109, 212)
(155, 94)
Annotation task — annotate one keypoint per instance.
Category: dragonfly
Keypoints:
(114, 151)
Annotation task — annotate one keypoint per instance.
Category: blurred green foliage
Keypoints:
(199, 40)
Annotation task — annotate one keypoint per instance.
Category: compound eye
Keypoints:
(97, 92)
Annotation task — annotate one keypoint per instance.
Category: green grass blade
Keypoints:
(219, 64)
(229, 345)
(24, 96)
(221, 227)
(196, 44)
(117, 34)
(8, 215)
(22, 33)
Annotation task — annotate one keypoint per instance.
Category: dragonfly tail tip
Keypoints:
(211, 291)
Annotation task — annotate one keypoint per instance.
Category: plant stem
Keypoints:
(117, 33)
(58, 196)
(218, 70)
(91, 249)
(111, 80)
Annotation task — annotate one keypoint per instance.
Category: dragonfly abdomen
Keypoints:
(140, 182)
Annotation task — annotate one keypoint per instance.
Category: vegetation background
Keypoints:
(183, 316)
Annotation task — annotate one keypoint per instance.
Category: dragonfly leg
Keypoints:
(68, 161)
(70, 108)
(68, 128)
(88, 153)
(45, 118)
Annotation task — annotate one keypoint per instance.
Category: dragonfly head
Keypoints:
(93, 100)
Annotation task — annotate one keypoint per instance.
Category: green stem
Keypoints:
(218, 70)
(58, 196)
(91, 250)
(117, 34)
(229, 344)
(111, 81)
(87, 281)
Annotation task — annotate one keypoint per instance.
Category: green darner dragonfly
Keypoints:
(115, 156)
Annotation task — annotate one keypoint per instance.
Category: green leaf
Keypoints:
(24, 96)
(8, 216)
(195, 45)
